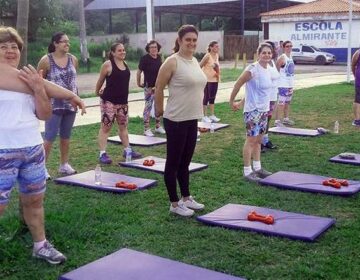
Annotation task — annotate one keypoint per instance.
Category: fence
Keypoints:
(239, 44)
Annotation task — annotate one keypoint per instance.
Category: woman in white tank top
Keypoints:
(186, 82)
(258, 86)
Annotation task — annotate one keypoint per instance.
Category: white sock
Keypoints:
(286, 119)
(38, 245)
(256, 165)
(102, 152)
(277, 121)
(247, 170)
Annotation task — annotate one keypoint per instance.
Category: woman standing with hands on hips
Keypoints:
(114, 100)
(258, 86)
(186, 82)
(211, 67)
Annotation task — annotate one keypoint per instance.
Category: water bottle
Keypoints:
(212, 127)
(336, 127)
(98, 175)
(128, 154)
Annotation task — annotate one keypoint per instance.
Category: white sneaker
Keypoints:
(149, 133)
(66, 169)
(47, 175)
(206, 119)
(278, 123)
(192, 204)
(213, 118)
(160, 130)
(181, 210)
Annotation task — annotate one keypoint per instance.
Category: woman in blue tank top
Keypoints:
(59, 67)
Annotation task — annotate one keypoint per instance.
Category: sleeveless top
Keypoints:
(19, 125)
(64, 77)
(275, 76)
(212, 69)
(186, 90)
(258, 88)
(287, 73)
(357, 73)
(117, 85)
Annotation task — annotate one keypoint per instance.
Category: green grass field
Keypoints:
(87, 225)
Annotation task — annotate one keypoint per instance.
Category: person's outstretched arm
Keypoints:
(10, 80)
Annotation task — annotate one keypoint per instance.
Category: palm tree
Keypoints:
(83, 43)
(22, 26)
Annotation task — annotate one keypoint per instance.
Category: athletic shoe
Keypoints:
(262, 173)
(288, 122)
(49, 254)
(263, 149)
(160, 130)
(105, 159)
(192, 204)
(47, 175)
(206, 119)
(134, 155)
(252, 177)
(278, 123)
(356, 123)
(214, 119)
(181, 210)
(270, 145)
(66, 169)
(149, 133)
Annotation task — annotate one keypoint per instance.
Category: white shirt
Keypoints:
(258, 89)
(19, 126)
(275, 76)
(287, 73)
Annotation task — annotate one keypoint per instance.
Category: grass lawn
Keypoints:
(87, 225)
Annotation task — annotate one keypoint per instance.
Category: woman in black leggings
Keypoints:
(186, 82)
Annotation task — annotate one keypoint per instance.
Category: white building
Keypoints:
(321, 23)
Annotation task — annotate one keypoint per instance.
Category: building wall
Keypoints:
(330, 35)
(166, 40)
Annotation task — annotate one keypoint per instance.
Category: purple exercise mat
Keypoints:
(159, 166)
(217, 126)
(307, 183)
(127, 264)
(295, 131)
(287, 224)
(87, 180)
(338, 159)
(139, 140)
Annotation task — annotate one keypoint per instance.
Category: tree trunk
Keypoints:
(22, 26)
(83, 43)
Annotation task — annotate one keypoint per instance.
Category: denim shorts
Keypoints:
(255, 122)
(25, 166)
(62, 122)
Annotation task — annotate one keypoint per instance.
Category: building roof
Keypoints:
(230, 8)
(317, 7)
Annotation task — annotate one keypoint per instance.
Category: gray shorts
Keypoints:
(60, 122)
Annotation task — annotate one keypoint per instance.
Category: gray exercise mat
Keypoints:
(108, 181)
(127, 264)
(354, 161)
(139, 140)
(217, 126)
(295, 131)
(159, 166)
(287, 224)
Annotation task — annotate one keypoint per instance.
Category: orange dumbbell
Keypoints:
(268, 219)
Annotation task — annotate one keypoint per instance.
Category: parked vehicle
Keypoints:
(311, 54)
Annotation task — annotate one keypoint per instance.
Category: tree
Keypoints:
(22, 26)
(83, 43)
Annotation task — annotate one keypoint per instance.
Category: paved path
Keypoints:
(136, 100)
